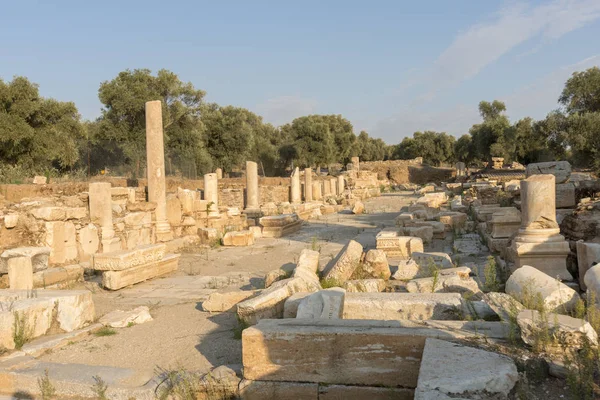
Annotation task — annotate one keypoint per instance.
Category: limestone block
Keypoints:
(39, 257)
(187, 198)
(62, 239)
(272, 390)
(125, 259)
(89, 241)
(565, 195)
(137, 219)
(423, 232)
(347, 262)
(444, 284)
(58, 277)
(76, 212)
(506, 306)
(364, 352)
(358, 208)
(227, 301)
(588, 254)
(403, 218)
(278, 220)
(49, 213)
(395, 245)
(425, 259)
(399, 306)
(174, 212)
(39, 180)
(324, 304)
(208, 235)
(11, 220)
(528, 281)
(276, 275)
(407, 269)
(453, 221)
(20, 273)
(376, 264)
(238, 238)
(560, 169)
(342, 392)
(269, 304)
(592, 281)
(124, 319)
(290, 307)
(145, 206)
(365, 285)
(450, 370)
(563, 330)
(117, 279)
(256, 231)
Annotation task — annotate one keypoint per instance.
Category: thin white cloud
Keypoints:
(484, 43)
(283, 109)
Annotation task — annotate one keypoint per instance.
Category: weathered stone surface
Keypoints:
(444, 284)
(565, 195)
(208, 235)
(20, 273)
(343, 392)
(123, 319)
(453, 221)
(117, 279)
(588, 254)
(174, 211)
(456, 371)
(505, 223)
(11, 220)
(256, 231)
(76, 212)
(227, 301)
(592, 281)
(365, 285)
(39, 257)
(324, 304)
(376, 264)
(125, 259)
(290, 307)
(269, 304)
(395, 245)
(88, 239)
(399, 306)
(347, 262)
(440, 260)
(528, 281)
(276, 275)
(560, 169)
(358, 208)
(403, 218)
(239, 238)
(407, 269)
(145, 206)
(562, 330)
(58, 277)
(49, 213)
(365, 352)
(278, 220)
(271, 390)
(423, 232)
(62, 240)
(506, 306)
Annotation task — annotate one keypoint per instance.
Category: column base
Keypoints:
(111, 244)
(164, 233)
(549, 257)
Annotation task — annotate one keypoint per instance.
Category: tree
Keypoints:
(581, 93)
(435, 147)
(463, 149)
(313, 141)
(490, 139)
(123, 116)
(37, 133)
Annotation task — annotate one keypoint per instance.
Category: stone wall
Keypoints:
(407, 171)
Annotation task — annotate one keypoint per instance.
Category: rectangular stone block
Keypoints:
(371, 353)
(565, 195)
(265, 390)
(278, 220)
(20, 273)
(344, 392)
(277, 231)
(39, 257)
(399, 306)
(395, 245)
(125, 259)
(55, 277)
(115, 280)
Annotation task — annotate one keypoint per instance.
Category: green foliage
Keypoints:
(492, 284)
(37, 134)
(22, 331)
(327, 283)
(370, 149)
(435, 148)
(105, 331)
(581, 93)
(46, 388)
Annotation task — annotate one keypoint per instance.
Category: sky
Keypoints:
(390, 67)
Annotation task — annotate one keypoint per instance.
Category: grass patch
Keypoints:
(22, 332)
(99, 388)
(327, 283)
(46, 388)
(105, 331)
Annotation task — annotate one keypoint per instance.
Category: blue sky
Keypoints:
(390, 67)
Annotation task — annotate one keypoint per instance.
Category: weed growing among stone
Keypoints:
(47, 389)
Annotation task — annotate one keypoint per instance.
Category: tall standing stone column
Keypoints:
(252, 195)
(539, 242)
(211, 193)
(219, 172)
(341, 184)
(308, 192)
(326, 188)
(355, 163)
(316, 190)
(100, 199)
(155, 158)
(333, 184)
(295, 183)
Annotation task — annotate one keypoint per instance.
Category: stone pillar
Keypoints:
(219, 173)
(316, 190)
(20, 273)
(539, 242)
(341, 184)
(211, 193)
(333, 185)
(252, 195)
(295, 184)
(355, 163)
(460, 169)
(308, 192)
(155, 158)
(326, 188)
(100, 198)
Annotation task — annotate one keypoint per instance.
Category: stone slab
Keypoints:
(127, 259)
(39, 257)
(280, 231)
(115, 280)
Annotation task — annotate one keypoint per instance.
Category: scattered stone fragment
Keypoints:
(423, 232)
(11, 220)
(506, 306)
(424, 260)
(290, 307)
(324, 304)
(407, 269)
(347, 263)
(123, 319)
(376, 264)
(277, 275)
(562, 330)
(365, 285)
(444, 284)
(239, 238)
(226, 301)
(358, 208)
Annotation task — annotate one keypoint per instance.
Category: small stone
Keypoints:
(123, 319)
(11, 220)
(358, 208)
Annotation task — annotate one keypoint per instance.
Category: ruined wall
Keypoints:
(407, 171)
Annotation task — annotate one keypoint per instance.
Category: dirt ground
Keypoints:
(183, 336)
